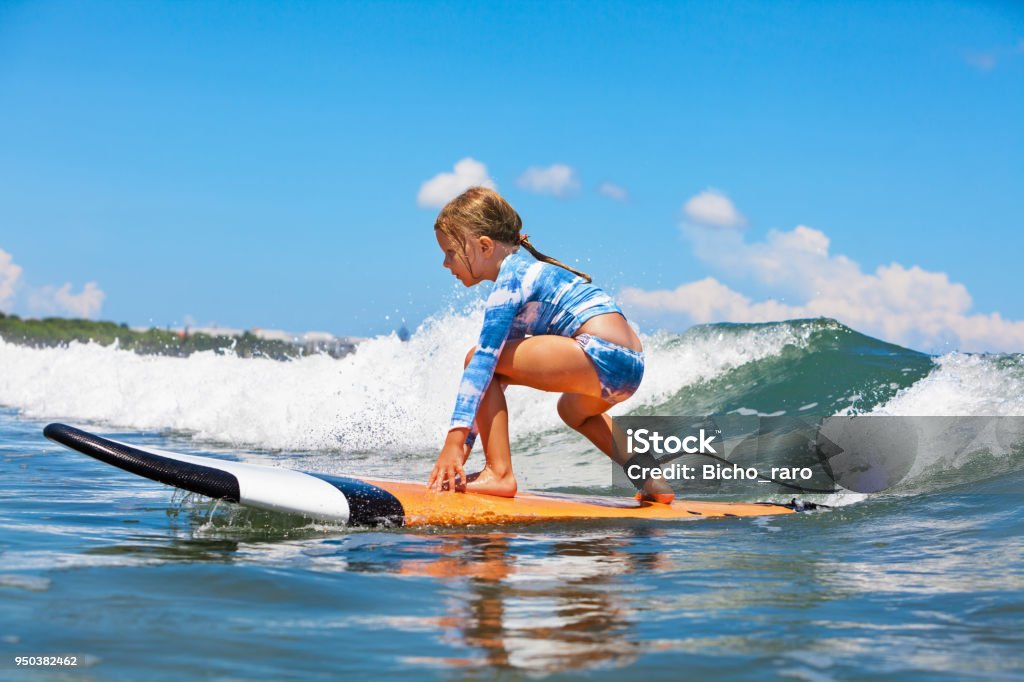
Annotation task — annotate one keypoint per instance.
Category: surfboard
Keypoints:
(353, 501)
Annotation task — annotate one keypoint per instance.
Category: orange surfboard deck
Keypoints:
(426, 507)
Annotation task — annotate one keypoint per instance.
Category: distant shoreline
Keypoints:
(58, 331)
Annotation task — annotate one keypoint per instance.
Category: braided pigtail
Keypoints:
(525, 241)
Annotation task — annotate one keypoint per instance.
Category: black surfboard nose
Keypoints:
(186, 475)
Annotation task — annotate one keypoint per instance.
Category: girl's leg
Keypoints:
(549, 363)
(492, 431)
(496, 478)
(587, 415)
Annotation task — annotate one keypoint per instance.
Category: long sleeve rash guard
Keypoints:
(529, 298)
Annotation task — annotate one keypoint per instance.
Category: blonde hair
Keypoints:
(482, 212)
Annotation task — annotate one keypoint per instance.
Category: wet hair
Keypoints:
(482, 212)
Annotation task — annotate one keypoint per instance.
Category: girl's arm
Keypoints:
(502, 306)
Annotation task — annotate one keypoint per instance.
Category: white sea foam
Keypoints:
(964, 385)
(961, 386)
(674, 362)
(388, 394)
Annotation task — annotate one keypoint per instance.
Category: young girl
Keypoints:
(545, 326)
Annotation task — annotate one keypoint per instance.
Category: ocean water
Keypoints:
(137, 580)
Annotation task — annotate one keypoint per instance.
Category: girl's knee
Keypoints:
(469, 356)
(575, 409)
(570, 412)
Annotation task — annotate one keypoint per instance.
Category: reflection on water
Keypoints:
(534, 602)
(547, 600)
(530, 602)
(554, 612)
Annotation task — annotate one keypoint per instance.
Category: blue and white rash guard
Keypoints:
(529, 298)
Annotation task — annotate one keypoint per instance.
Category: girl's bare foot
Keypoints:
(656, 491)
(487, 482)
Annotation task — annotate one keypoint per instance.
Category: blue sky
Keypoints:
(259, 164)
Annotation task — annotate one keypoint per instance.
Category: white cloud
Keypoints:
(783, 260)
(443, 187)
(50, 300)
(906, 305)
(987, 60)
(613, 191)
(10, 272)
(983, 61)
(706, 300)
(558, 180)
(712, 208)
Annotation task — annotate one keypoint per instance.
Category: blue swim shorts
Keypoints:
(619, 369)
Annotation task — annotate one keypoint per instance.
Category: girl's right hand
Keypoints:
(448, 473)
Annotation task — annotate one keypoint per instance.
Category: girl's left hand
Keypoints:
(448, 473)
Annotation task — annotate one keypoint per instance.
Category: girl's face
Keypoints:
(456, 265)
